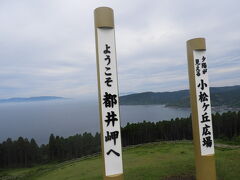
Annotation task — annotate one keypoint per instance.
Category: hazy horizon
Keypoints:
(95, 98)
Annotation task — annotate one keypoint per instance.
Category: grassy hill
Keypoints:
(153, 161)
(220, 96)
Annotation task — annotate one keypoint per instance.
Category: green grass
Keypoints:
(234, 141)
(144, 162)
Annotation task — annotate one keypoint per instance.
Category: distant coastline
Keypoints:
(30, 99)
(221, 97)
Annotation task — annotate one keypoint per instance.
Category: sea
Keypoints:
(69, 117)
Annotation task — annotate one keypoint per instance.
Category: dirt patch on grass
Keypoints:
(180, 178)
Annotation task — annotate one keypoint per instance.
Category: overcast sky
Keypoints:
(47, 47)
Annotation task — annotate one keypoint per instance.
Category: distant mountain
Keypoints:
(30, 99)
(220, 96)
(126, 93)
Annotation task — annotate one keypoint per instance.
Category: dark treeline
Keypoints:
(25, 153)
(22, 153)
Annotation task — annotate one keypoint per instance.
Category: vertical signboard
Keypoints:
(201, 110)
(110, 102)
(203, 103)
(108, 94)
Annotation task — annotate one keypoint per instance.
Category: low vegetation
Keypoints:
(153, 161)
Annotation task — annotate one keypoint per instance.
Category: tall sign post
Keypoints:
(108, 94)
(201, 109)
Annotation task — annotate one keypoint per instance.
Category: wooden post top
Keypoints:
(104, 17)
(196, 44)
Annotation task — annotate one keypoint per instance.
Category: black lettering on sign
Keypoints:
(111, 118)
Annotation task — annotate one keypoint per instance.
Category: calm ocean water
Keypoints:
(65, 118)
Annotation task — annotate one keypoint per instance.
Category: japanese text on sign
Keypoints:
(203, 103)
(109, 102)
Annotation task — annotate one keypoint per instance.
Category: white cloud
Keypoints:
(48, 47)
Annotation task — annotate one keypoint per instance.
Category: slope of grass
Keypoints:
(154, 161)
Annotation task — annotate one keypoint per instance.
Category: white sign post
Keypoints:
(108, 94)
(201, 110)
